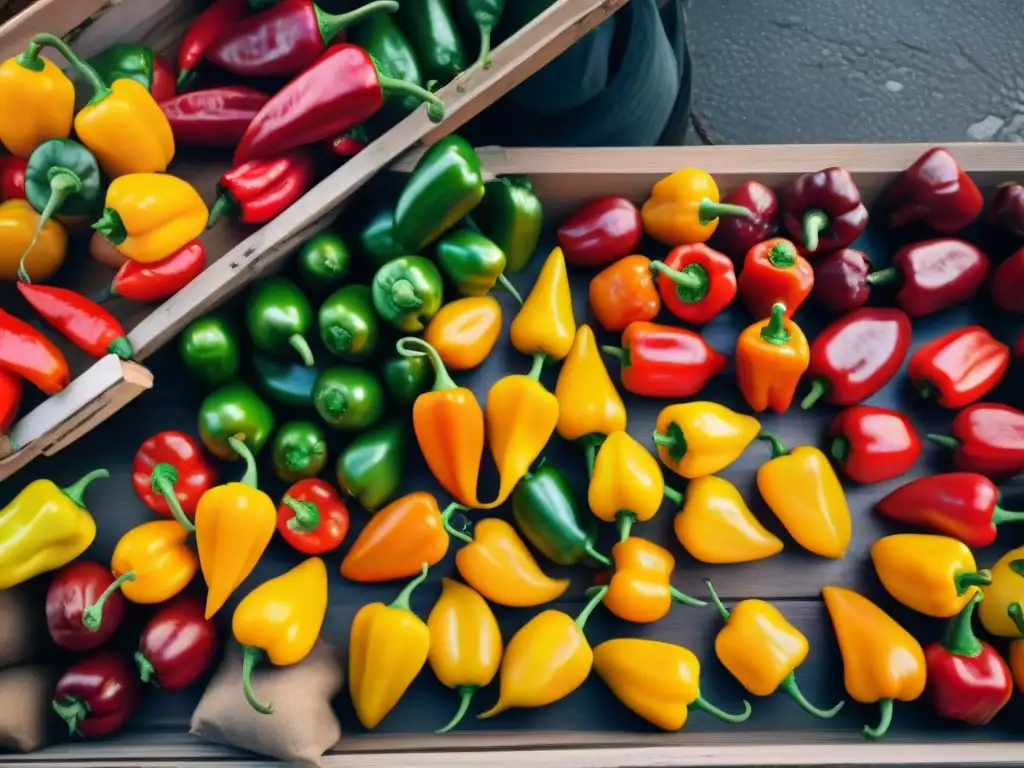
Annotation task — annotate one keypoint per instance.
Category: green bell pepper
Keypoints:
(286, 382)
(349, 326)
(472, 262)
(126, 61)
(348, 398)
(210, 351)
(299, 451)
(446, 184)
(512, 216)
(278, 315)
(323, 263)
(234, 410)
(435, 37)
(407, 292)
(406, 378)
(381, 37)
(371, 468)
(377, 238)
(485, 14)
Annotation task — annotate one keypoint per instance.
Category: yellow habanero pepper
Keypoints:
(933, 575)
(44, 528)
(640, 588)
(18, 222)
(388, 646)
(658, 681)
(627, 485)
(545, 324)
(716, 526)
(770, 359)
(234, 524)
(684, 208)
(801, 488)
(37, 100)
(464, 331)
(148, 216)
(701, 438)
(1004, 596)
(465, 644)
(881, 660)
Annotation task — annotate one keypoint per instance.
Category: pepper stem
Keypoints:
(619, 353)
(331, 24)
(505, 283)
(708, 210)
(597, 556)
(590, 445)
(104, 295)
(100, 89)
(72, 711)
(251, 656)
(946, 441)
(147, 672)
(446, 517)
(778, 449)
(598, 596)
(76, 490)
(625, 520)
(406, 347)
(885, 276)
(1016, 614)
(774, 332)
(883, 725)
(92, 617)
(238, 446)
(967, 579)
(692, 281)
(225, 204)
(338, 339)
(466, 693)
(392, 86)
(839, 449)
(162, 480)
(673, 439)
(402, 601)
(782, 255)
(536, 366)
(185, 78)
(685, 599)
(403, 295)
(819, 387)
(815, 222)
(672, 495)
(789, 686)
(298, 342)
(719, 606)
(63, 183)
(484, 59)
(111, 227)
(706, 706)
(306, 517)
(1000, 516)
(960, 639)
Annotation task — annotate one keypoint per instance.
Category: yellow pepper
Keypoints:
(933, 575)
(770, 359)
(148, 216)
(545, 324)
(684, 208)
(762, 650)
(801, 488)
(701, 438)
(234, 524)
(881, 660)
(627, 485)
(18, 222)
(465, 644)
(1004, 596)
(658, 681)
(44, 528)
(464, 331)
(388, 646)
(716, 526)
(282, 619)
(640, 589)
(37, 100)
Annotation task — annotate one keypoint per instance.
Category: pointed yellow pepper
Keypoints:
(716, 526)
(18, 222)
(37, 100)
(701, 438)
(627, 485)
(1004, 596)
(545, 324)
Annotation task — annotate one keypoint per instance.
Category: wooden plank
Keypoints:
(56, 16)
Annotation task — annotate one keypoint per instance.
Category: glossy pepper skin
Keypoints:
(380, 36)
(871, 444)
(465, 331)
(218, 18)
(936, 274)
(177, 646)
(234, 409)
(1006, 211)
(511, 216)
(545, 324)
(485, 14)
(625, 292)
(135, 62)
(601, 232)
(407, 292)
(259, 190)
(348, 397)
(1000, 612)
(626, 486)
(695, 282)
(73, 589)
(737, 235)
(348, 322)
(213, 117)
(987, 438)
(170, 474)
(771, 356)
(27, 353)
(700, 438)
(370, 469)
(959, 367)
(715, 525)
(1007, 284)
(12, 178)
(80, 320)
(210, 350)
(377, 239)
(97, 695)
(311, 517)
(154, 282)
(11, 390)
(299, 450)
(935, 191)
(279, 316)
(684, 208)
(434, 34)
(822, 211)
(284, 382)
(773, 272)
(62, 179)
(37, 102)
(41, 258)
(472, 263)
(843, 280)
(640, 589)
(322, 263)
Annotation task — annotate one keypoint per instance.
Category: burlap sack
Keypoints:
(25, 716)
(22, 624)
(303, 725)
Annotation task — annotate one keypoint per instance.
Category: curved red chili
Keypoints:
(217, 20)
(81, 320)
(158, 280)
(26, 352)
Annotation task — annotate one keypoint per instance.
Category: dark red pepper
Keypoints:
(773, 272)
(602, 231)
(74, 588)
(312, 517)
(959, 367)
(158, 280)
(988, 438)
(162, 83)
(1007, 209)
(12, 177)
(177, 646)
(873, 444)
(695, 282)
(1007, 284)
(736, 235)
(97, 695)
(80, 319)
(856, 355)
(258, 190)
(348, 144)
(842, 280)
(935, 191)
(170, 474)
(823, 211)
(220, 17)
(213, 117)
(12, 387)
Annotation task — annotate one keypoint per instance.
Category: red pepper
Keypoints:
(1007, 209)
(665, 361)
(842, 280)
(964, 505)
(340, 89)
(988, 438)
(12, 178)
(312, 517)
(935, 191)
(178, 645)
(25, 352)
(1007, 284)
(602, 231)
(348, 144)
(156, 281)
(162, 83)
(12, 386)
(213, 117)
(823, 211)
(170, 474)
(854, 356)
(695, 282)
(219, 18)
(73, 589)
(873, 444)
(959, 367)
(773, 272)
(259, 190)
(97, 694)
(736, 235)
(79, 319)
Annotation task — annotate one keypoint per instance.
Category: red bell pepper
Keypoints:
(177, 645)
(213, 117)
(25, 352)
(665, 361)
(12, 178)
(312, 517)
(602, 231)
(348, 144)
(856, 355)
(988, 438)
(823, 211)
(97, 694)
(736, 235)
(773, 272)
(79, 319)
(219, 18)
(258, 190)
(935, 191)
(73, 589)
(1007, 283)
(156, 281)
(842, 280)
(959, 367)
(170, 474)
(872, 444)
(1006, 211)
(695, 282)
(12, 387)
(340, 89)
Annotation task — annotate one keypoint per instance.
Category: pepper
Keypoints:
(959, 367)
(770, 359)
(700, 438)
(11, 390)
(1016, 659)
(136, 62)
(260, 190)
(872, 445)
(684, 208)
(371, 468)
(1000, 612)
(601, 232)
(626, 486)
(762, 650)
(322, 263)
(716, 526)
(281, 619)
(213, 117)
(388, 647)
(1007, 284)
(348, 398)
(170, 474)
(97, 695)
(43, 257)
(1006, 211)
(774, 272)
(278, 316)
(220, 17)
(348, 144)
(625, 292)
(511, 216)
(640, 589)
(465, 331)
(25, 352)
(287, 383)
(155, 282)
(299, 450)
(934, 190)
(73, 589)
(406, 378)
(349, 326)
(44, 528)
(695, 282)
(472, 263)
(823, 210)
(802, 490)
(177, 646)
(210, 350)
(12, 177)
(234, 525)
(737, 235)
(312, 518)
(545, 324)
(843, 280)
(857, 355)
(665, 361)
(432, 29)
(407, 292)
(881, 660)
(936, 274)
(62, 179)
(485, 14)
(389, 46)
(377, 238)
(37, 103)
(80, 320)
(988, 438)
(234, 410)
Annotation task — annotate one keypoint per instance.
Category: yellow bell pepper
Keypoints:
(18, 222)
(640, 588)
(881, 660)
(716, 526)
(658, 681)
(282, 619)
(1004, 596)
(37, 100)
(234, 524)
(149, 216)
(771, 356)
(44, 528)
(545, 324)
(465, 644)
(801, 488)
(627, 485)
(388, 646)
(684, 208)
(464, 331)
(701, 438)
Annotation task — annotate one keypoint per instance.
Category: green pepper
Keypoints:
(299, 450)
(277, 315)
(371, 467)
(126, 61)
(377, 238)
(407, 292)
(231, 411)
(485, 14)
(348, 398)
(380, 37)
(406, 378)
(446, 184)
(286, 382)
(473, 263)
(511, 215)
(210, 351)
(322, 264)
(349, 326)
(435, 37)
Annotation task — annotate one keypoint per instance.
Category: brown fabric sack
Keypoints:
(23, 632)
(26, 719)
(303, 725)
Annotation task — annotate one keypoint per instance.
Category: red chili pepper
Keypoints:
(220, 17)
(736, 235)
(258, 190)
(12, 388)
(823, 211)
(842, 280)
(1007, 284)
(963, 505)
(854, 356)
(873, 444)
(25, 352)
(156, 281)
(73, 589)
(348, 144)
(97, 694)
(178, 645)
(602, 231)
(665, 361)
(162, 83)
(774, 272)
(213, 117)
(695, 282)
(12, 178)
(170, 474)
(988, 438)
(1007, 209)
(312, 517)
(935, 191)
(959, 367)
(81, 320)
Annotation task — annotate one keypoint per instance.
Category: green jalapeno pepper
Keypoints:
(278, 315)
(349, 326)
(435, 36)
(232, 410)
(472, 262)
(407, 292)
(406, 378)
(299, 450)
(512, 216)
(371, 467)
(348, 398)
(210, 352)
(382, 38)
(322, 263)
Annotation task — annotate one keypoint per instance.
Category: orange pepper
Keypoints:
(624, 292)
(640, 589)
(464, 331)
(771, 356)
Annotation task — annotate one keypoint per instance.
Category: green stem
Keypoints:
(251, 656)
(619, 353)
(778, 449)
(782, 255)
(597, 556)
(331, 24)
(685, 599)
(590, 445)
(673, 495)
(692, 282)
(484, 59)
(185, 78)
(598, 596)
(706, 706)
(147, 672)
(946, 441)
(1000, 516)
(250, 477)
(883, 725)
(927, 390)
(536, 366)
(466, 693)
(505, 283)
(719, 606)
(406, 347)
(225, 204)
(839, 449)
(967, 579)
(104, 295)
(340, 339)
(306, 517)
(789, 686)
(882, 277)
(960, 639)
(63, 183)
(402, 601)
(708, 210)
(774, 332)
(76, 491)
(111, 226)
(625, 520)
(454, 532)
(298, 342)
(72, 711)
(819, 388)
(92, 617)
(391, 86)
(1016, 614)
(162, 480)
(403, 295)
(815, 222)
(100, 89)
